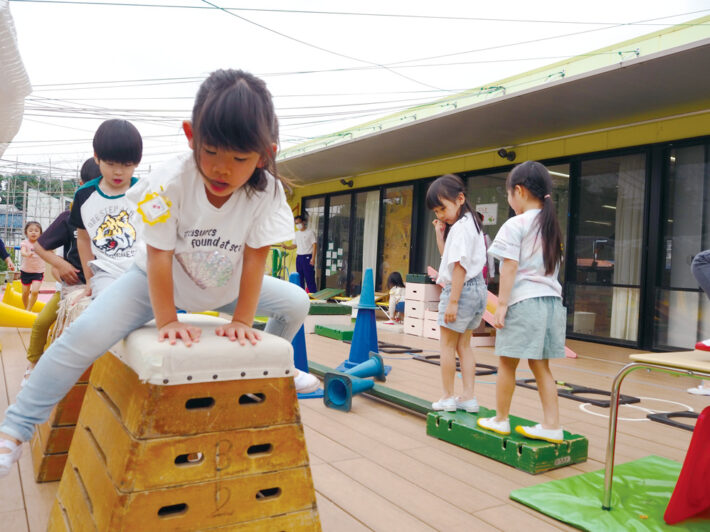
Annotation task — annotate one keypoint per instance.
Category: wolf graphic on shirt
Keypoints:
(115, 234)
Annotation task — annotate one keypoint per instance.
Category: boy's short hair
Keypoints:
(89, 171)
(118, 141)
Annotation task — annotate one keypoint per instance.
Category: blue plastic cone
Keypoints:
(339, 390)
(365, 333)
(367, 293)
(300, 356)
(374, 367)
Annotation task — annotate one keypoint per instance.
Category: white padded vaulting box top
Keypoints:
(213, 358)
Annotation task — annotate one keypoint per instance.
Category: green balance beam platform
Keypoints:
(522, 453)
(460, 429)
(337, 332)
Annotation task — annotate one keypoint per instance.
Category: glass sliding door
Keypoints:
(603, 278)
(314, 209)
(336, 245)
(397, 232)
(366, 224)
(682, 315)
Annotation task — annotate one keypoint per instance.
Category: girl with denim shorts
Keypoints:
(530, 317)
(209, 220)
(463, 298)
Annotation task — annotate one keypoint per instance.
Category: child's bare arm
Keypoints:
(160, 288)
(83, 244)
(458, 276)
(249, 290)
(66, 271)
(508, 269)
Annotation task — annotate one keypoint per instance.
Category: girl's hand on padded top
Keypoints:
(238, 331)
(174, 330)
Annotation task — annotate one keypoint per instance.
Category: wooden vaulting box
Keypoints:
(175, 438)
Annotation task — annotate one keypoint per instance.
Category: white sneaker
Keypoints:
(699, 390)
(305, 382)
(7, 460)
(447, 404)
(536, 432)
(470, 406)
(490, 423)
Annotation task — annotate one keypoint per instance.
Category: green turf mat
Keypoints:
(641, 491)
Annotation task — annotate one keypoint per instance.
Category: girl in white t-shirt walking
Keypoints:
(530, 317)
(463, 298)
(210, 219)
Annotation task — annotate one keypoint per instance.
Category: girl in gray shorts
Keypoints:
(463, 298)
(530, 319)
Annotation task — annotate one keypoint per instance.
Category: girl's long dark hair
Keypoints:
(535, 177)
(448, 187)
(233, 110)
(395, 279)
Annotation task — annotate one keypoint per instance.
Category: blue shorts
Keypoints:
(472, 304)
(534, 328)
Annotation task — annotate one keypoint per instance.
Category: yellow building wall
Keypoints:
(646, 130)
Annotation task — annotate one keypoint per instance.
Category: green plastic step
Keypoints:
(514, 449)
(330, 309)
(337, 332)
(421, 278)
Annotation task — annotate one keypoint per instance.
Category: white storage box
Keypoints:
(431, 329)
(422, 292)
(413, 326)
(414, 308)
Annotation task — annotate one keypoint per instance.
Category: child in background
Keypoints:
(4, 255)
(210, 219)
(32, 267)
(463, 298)
(530, 317)
(59, 234)
(105, 219)
(395, 283)
(489, 270)
(700, 268)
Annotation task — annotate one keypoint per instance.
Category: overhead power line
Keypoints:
(454, 18)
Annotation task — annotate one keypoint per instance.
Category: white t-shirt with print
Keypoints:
(519, 239)
(464, 244)
(304, 242)
(208, 242)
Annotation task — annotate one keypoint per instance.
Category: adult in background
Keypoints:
(306, 246)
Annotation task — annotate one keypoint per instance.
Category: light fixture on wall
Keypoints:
(506, 153)
(347, 182)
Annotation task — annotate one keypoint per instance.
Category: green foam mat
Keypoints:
(323, 309)
(640, 494)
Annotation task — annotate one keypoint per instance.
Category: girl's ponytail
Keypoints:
(535, 177)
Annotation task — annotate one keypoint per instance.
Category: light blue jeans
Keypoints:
(119, 309)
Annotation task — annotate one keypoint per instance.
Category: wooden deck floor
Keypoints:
(375, 468)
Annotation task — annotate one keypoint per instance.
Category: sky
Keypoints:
(329, 65)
